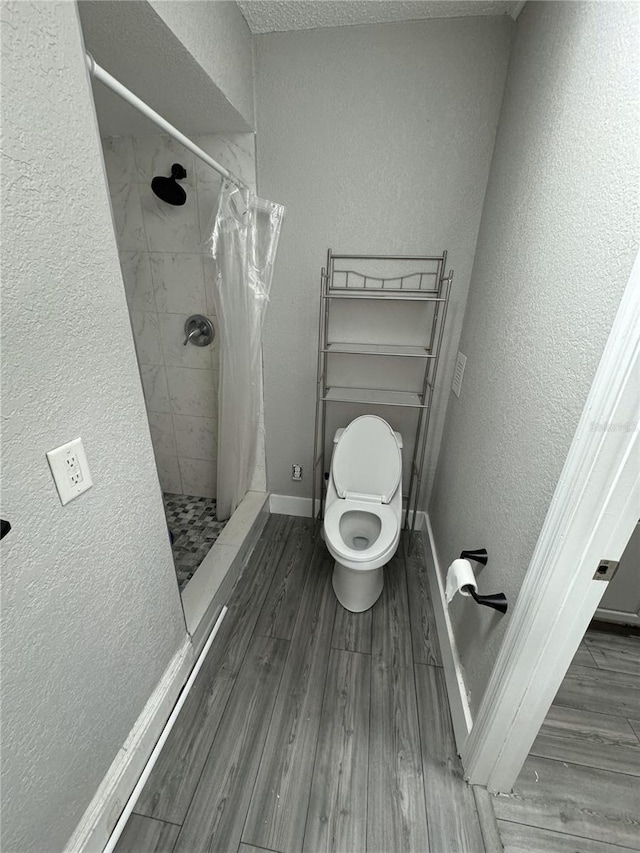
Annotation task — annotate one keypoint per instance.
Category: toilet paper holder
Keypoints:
(499, 600)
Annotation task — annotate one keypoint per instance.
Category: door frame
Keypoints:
(594, 509)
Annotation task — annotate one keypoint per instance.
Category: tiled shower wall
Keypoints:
(167, 274)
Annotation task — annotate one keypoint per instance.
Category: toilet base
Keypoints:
(357, 589)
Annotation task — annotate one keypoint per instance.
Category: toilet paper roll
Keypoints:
(459, 574)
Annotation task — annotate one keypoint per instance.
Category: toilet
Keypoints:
(363, 509)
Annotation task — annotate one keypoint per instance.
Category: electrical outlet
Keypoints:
(296, 472)
(70, 470)
(73, 469)
(458, 373)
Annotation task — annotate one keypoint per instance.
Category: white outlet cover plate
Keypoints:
(70, 470)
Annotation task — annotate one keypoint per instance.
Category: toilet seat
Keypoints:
(367, 460)
(386, 540)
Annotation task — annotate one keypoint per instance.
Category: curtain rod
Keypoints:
(110, 82)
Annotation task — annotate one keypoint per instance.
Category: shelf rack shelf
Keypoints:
(378, 349)
(374, 397)
(389, 279)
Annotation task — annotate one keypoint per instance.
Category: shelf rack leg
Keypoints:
(447, 283)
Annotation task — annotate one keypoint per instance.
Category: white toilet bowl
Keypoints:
(363, 509)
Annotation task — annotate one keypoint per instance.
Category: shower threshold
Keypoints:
(208, 589)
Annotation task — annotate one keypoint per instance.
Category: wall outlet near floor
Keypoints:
(296, 472)
(70, 470)
(458, 373)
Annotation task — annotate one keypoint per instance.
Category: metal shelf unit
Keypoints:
(427, 283)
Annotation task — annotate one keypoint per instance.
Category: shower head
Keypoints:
(167, 189)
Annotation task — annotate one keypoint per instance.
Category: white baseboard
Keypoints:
(616, 616)
(290, 505)
(456, 689)
(421, 518)
(98, 821)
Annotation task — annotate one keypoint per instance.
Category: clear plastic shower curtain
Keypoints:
(244, 244)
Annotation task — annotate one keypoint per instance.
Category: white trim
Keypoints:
(99, 819)
(453, 674)
(592, 514)
(290, 505)
(617, 616)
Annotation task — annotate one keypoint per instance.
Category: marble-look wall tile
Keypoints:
(170, 228)
(136, 274)
(162, 435)
(154, 385)
(208, 199)
(156, 153)
(119, 160)
(196, 438)
(198, 479)
(168, 275)
(178, 282)
(169, 474)
(127, 216)
(234, 151)
(176, 354)
(146, 334)
(193, 392)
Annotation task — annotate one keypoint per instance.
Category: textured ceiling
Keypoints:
(267, 16)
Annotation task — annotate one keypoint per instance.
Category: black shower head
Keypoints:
(167, 189)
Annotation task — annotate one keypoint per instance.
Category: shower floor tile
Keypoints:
(195, 528)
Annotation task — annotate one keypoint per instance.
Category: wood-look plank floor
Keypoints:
(172, 783)
(443, 774)
(337, 816)
(310, 728)
(278, 808)
(147, 834)
(215, 819)
(579, 788)
(397, 817)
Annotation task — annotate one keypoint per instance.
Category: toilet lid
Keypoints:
(367, 459)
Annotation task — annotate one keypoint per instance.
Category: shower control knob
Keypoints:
(199, 330)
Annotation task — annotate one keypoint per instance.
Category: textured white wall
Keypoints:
(217, 36)
(133, 42)
(377, 139)
(91, 612)
(558, 238)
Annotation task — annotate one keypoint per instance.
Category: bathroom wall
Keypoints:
(91, 613)
(377, 139)
(167, 273)
(132, 41)
(218, 37)
(557, 242)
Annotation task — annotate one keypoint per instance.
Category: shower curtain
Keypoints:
(244, 243)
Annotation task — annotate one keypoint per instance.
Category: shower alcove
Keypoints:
(168, 276)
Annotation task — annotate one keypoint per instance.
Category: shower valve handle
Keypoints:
(199, 330)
